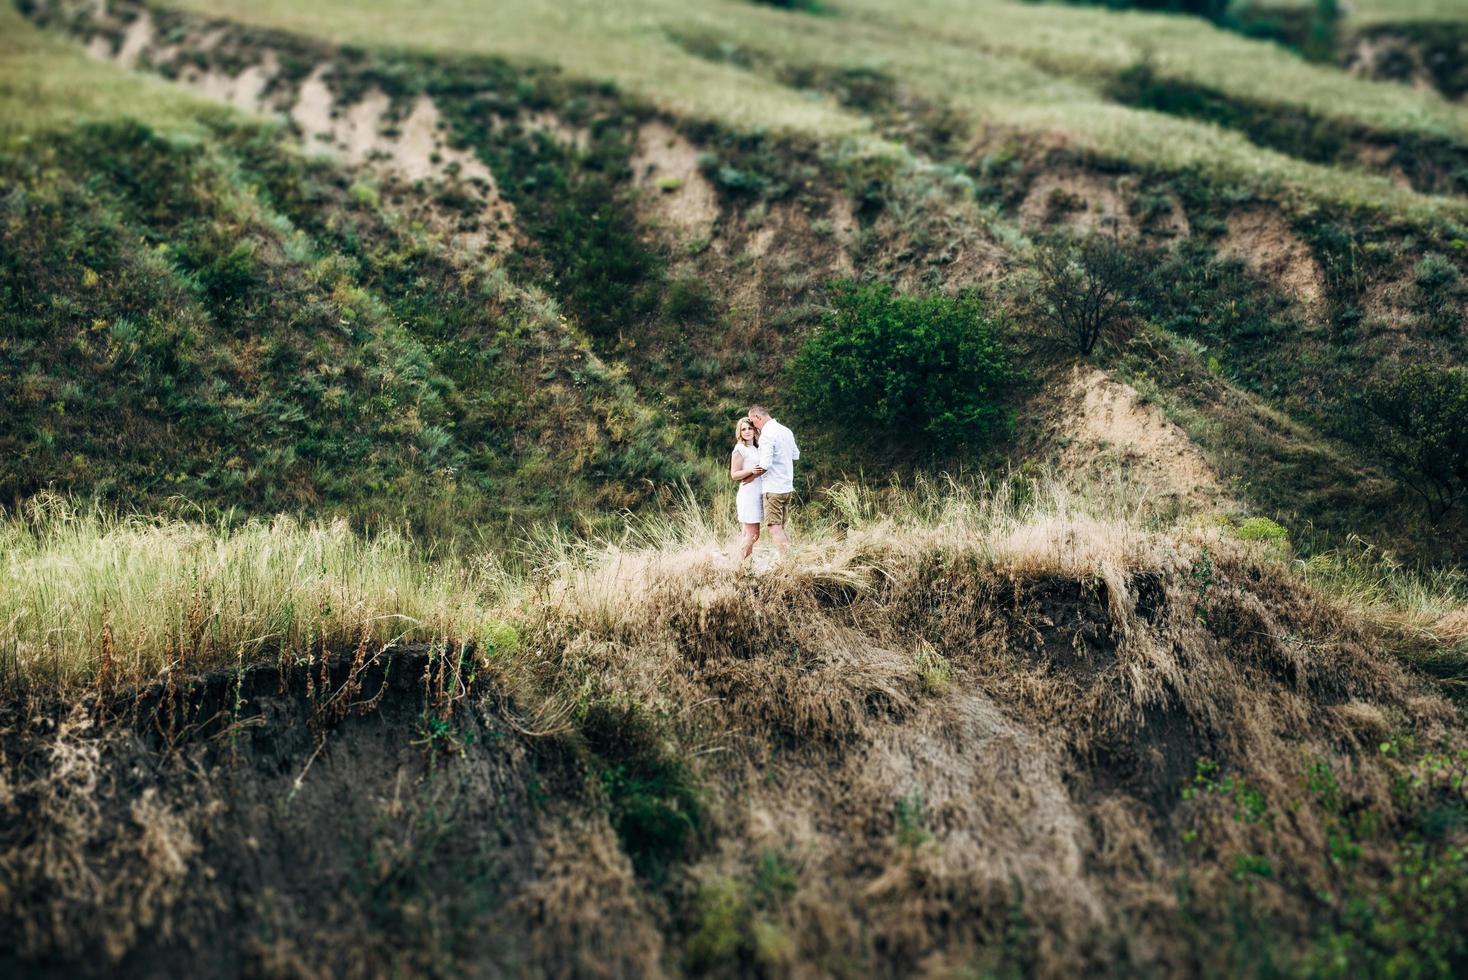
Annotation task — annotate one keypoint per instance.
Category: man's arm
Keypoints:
(766, 452)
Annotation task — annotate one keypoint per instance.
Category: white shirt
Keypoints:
(777, 454)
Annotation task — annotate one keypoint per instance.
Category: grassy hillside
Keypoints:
(1404, 11)
(329, 646)
(1112, 748)
(688, 253)
(1005, 64)
(195, 309)
(46, 84)
(905, 150)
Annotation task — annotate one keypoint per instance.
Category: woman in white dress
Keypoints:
(750, 504)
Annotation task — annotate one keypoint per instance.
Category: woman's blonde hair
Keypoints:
(739, 425)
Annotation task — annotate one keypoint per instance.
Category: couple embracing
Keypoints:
(763, 463)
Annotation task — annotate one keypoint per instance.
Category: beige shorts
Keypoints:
(777, 508)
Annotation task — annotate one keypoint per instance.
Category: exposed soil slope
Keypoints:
(1093, 756)
(345, 818)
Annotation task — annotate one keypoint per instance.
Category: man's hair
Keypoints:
(757, 410)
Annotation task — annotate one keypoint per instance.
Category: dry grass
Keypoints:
(89, 597)
(1380, 588)
(954, 707)
(75, 888)
(1088, 662)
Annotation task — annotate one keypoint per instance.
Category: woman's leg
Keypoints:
(751, 535)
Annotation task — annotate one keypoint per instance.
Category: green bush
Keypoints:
(1261, 529)
(930, 371)
(688, 300)
(651, 794)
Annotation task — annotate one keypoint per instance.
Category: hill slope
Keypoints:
(959, 735)
(691, 250)
(194, 308)
(369, 291)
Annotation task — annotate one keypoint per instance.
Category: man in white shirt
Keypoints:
(777, 455)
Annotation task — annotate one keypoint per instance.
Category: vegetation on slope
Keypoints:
(967, 58)
(694, 317)
(205, 313)
(1188, 751)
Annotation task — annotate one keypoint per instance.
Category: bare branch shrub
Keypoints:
(1087, 285)
(1417, 420)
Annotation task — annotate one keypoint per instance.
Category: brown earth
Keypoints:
(1105, 430)
(895, 760)
(677, 196)
(1265, 243)
(1080, 201)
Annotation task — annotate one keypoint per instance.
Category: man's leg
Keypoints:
(777, 506)
(777, 531)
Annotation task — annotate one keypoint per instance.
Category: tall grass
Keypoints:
(849, 537)
(1422, 612)
(87, 596)
(93, 598)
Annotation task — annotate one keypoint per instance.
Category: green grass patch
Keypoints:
(656, 807)
(1433, 164)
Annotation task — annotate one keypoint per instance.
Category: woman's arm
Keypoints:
(735, 473)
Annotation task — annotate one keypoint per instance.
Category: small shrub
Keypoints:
(930, 370)
(934, 670)
(731, 927)
(688, 300)
(654, 801)
(1263, 529)
(775, 878)
(1249, 804)
(1087, 286)
(364, 196)
(719, 938)
(865, 88)
(1434, 272)
(912, 820)
(1417, 420)
(740, 181)
(228, 278)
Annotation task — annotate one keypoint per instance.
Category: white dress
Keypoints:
(750, 504)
